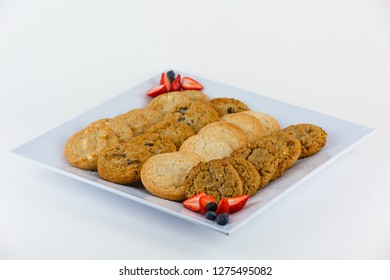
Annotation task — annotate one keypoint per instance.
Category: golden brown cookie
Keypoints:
(217, 178)
(118, 126)
(311, 137)
(264, 156)
(194, 113)
(165, 102)
(226, 131)
(196, 95)
(82, 148)
(248, 173)
(156, 143)
(122, 163)
(176, 131)
(207, 146)
(225, 105)
(282, 152)
(140, 119)
(252, 127)
(163, 175)
(269, 122)
(293, 145)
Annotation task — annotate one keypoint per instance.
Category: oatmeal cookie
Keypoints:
(217, 178)
(82, 148)
(293, 145)
(207, 146)
(194, 113)
(225, 105)
(122, 163)
(226, 131)
(264, 156)
(282, 152)
(311, 137)
(163, 175)
(248, 173)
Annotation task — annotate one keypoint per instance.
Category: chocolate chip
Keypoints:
(182, 110)
(148, 144)
(230, 110)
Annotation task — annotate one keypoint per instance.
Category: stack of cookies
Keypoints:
(183, 143)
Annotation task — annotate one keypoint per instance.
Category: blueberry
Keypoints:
(222, 219)
(211, 215)
(211, 206)
(171, 75)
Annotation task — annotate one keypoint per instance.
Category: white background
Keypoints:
(61, 58)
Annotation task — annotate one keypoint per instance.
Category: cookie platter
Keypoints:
(47, 149)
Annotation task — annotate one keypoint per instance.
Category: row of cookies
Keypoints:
(250, 168)
(82, 148)
(244, 171)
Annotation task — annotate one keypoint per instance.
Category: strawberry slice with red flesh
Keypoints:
(204, 200)
(189, 83)
(237, 203)
(192, 203)
(223, 206)
(157, 90)
(176, 84)
(165, 81)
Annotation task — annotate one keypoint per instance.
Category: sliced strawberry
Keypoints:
(153, 92)
(223, 206)
(237, 203)
(192, 203)
(204, 200)
(165, 81)
(176, 84)
(190, 83)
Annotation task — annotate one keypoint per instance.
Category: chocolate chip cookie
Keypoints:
(176, 131)
(154, 142)
(194, 113)
(225, 105)
(163, 103)
(196, 95)
(122, 163)
(311, 137)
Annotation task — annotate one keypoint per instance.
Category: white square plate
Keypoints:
(47, 149)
